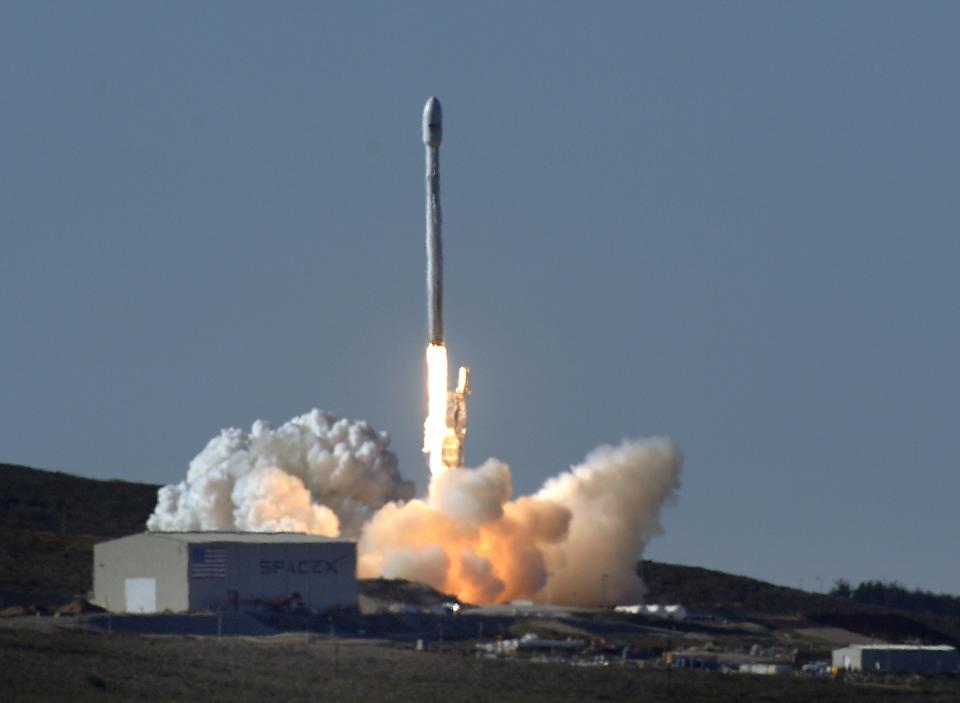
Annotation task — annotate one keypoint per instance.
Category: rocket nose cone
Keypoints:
(432, 122)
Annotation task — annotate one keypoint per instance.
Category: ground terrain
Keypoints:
(73, 665)
(50, 521)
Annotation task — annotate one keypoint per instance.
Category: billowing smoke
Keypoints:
(615, 498)
(467, 537)
(576, 541)
(317, 473)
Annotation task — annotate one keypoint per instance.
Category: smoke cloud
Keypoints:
(615, 498)
(575, 541)
(316, 473)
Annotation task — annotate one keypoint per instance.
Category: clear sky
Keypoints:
(735, 224)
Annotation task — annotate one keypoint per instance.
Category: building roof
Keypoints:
(903, 647)
(246, 537)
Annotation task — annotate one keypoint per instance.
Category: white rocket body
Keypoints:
(456, 415)
(432, 134)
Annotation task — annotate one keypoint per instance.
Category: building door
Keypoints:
(141, 595)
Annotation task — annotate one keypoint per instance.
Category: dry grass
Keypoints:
(80, 666)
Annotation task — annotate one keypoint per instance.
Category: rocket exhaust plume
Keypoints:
(576, 541)
(445, 427)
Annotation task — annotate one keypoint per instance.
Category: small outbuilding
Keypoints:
(896, 658)
(179, 572)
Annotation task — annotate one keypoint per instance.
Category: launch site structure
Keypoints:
(456, 420)
(151, 572)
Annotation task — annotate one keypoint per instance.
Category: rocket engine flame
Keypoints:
(435, 426)
(445, 429)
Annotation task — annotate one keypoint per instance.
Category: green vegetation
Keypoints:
(895, 595)
(703, 588)
(49, 522)
(696, 587)
(50, 501)
(45, 562)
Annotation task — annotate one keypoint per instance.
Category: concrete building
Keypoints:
(193, 571)
(895, 657)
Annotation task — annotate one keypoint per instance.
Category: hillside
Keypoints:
(704, 588)
(51, 501)
(49, 522)
(696, 587)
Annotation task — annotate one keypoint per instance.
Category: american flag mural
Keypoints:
(208, 562)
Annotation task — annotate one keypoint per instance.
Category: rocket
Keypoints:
(432, 134)
(453, 422)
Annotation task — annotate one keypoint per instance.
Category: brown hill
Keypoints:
(704, 588)
(51, 501)
(49, 522)
(696, 587)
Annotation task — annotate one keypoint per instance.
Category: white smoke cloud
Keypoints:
(316, 473)
(575, 541)
(269, 498)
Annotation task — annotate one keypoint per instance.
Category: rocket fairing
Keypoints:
(432, 134)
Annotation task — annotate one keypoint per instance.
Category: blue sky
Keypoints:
(731, 223)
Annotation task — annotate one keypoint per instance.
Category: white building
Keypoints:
(665, 612)
(895, 657)
(154, 572)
